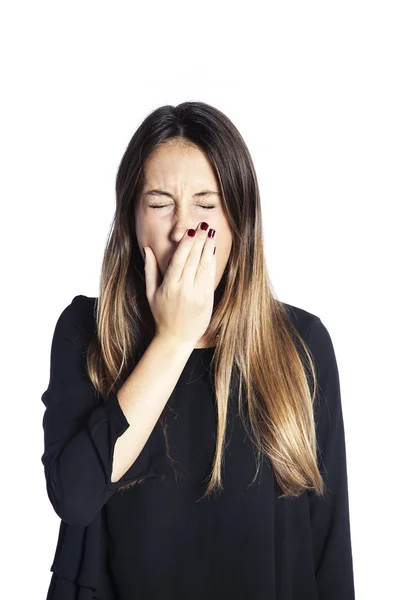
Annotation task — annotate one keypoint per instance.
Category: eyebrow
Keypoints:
(157, 192)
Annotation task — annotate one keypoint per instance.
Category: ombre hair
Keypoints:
(258, 349)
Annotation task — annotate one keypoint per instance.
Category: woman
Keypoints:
(194, 438)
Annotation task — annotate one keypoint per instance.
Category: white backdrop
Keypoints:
(314, 89)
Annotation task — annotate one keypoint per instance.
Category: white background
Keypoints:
(314, 89)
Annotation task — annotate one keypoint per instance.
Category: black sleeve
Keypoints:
(80, 430)
(329, 514)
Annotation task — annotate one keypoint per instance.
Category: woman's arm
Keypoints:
(329, 514)
(83, 466)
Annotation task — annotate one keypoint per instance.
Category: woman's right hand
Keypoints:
(182, 305)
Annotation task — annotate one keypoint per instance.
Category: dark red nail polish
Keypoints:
(191, 232)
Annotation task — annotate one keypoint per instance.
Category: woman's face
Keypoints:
(182, 172)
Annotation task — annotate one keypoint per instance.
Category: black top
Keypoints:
(162, 539)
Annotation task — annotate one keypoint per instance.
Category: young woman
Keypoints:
(194, 438)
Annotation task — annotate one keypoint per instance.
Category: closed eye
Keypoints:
(163, 206)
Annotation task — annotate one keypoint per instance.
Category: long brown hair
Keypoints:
(260, 345)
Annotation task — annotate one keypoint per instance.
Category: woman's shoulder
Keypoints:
(80, 316)
(302, 319)
(82, 305)
(316, 335)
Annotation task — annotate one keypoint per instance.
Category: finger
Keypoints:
(193, 259)
(206, 271)
(151, 273)
(178, 261)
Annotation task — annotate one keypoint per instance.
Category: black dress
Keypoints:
(161, 538)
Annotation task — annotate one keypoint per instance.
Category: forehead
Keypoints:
(178, 165)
